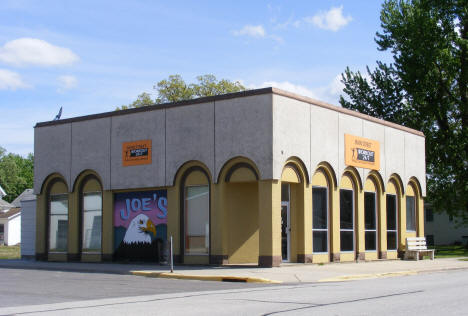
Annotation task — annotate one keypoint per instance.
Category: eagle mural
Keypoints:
(140, 225)
(139, 242)
(139, 230)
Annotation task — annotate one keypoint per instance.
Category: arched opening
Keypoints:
(348, 216)
(90, 216)
(412, 208)
(195, 215)
(371, 217)
(57, 223)
(238, 196)
(392, 197)
(322, 190)
(294, 218)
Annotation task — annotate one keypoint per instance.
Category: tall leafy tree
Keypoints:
(16, 173)
(425, 88)
(143, 99)
(174, 89)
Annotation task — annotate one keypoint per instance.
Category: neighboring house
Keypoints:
(4, 205)
(27, 194)
(443, 229)
(10, 225)
(28, 224)
(4, 208)
(10, 218)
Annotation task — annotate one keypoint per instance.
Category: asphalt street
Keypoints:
(30, 287)
(433, 293)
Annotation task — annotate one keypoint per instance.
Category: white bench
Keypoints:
(416, 246)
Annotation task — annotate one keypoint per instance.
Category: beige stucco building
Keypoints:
(262, 176)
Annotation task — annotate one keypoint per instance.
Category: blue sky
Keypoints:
(91, 56)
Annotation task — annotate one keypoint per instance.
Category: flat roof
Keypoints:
(241, 94)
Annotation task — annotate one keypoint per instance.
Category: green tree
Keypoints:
(16, 173)
(174, 89)
(143, 99)
(208, 86)
(425, 88)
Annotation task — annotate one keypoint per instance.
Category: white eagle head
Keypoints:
(139, 230)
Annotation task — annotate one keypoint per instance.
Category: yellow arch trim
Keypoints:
(414, 183)
(245, 170)
(297, 166)
(189, 164)
(376, 178)
(327, 169)
(51, 178)
(398, 183)
(355, 177)
(82, 177)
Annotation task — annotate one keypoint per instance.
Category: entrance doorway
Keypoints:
(285, 231)
(285, 224)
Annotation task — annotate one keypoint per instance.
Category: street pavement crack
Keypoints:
(314, 305)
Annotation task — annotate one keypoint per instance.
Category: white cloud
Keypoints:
(256, 31)
(288, 86)
(332, 19)
(336, 86)
(66, 82)
(33, 51)
(328, 93)
(10, 80)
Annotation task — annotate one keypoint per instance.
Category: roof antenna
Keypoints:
(57, 117)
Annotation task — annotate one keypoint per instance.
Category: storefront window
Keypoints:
(391, 222)
(320, 220)
(284, 192)
(58, 223)
(410, 214)
(92, 222)
(197, 224)
(370, 217)
(346, 220)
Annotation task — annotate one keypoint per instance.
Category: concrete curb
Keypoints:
(219, 278)
(386, 274)
(368, 276)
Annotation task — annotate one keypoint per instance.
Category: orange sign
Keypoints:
(136, 153)
(362, 152)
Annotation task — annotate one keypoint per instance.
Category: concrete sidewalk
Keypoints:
(287, 273)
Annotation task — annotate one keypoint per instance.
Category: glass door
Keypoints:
(285, 231)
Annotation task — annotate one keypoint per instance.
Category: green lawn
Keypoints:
(451, 251)
(10, 252)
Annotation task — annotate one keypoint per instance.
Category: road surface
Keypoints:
(438, 293)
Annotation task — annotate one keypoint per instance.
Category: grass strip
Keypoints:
(10, 252)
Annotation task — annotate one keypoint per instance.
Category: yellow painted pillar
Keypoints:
(335, 225)
(41, 226)
(402, 224)
(219, 226)
(296, 206)
(382, 225)
(305, 221)
(107, 225)
(73, 226)
(359, 225)
(420, 217)
(269, 205)
(173, 221)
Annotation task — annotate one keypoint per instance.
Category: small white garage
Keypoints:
(10, 226)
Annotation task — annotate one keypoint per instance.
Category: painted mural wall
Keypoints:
(140, 225)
